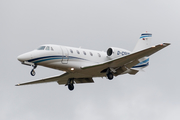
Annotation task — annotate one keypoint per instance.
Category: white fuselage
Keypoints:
(69, 59)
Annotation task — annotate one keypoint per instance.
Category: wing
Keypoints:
(62, 79)
(127, 61)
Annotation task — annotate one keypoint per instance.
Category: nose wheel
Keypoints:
(33, 73)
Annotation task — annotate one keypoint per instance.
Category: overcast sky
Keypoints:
(93, 24)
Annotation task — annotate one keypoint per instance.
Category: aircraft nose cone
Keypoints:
(21, 58)
(24, 57)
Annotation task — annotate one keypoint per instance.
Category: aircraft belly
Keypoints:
(71, 66)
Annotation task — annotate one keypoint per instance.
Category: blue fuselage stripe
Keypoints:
(60, 57)
(47, 58)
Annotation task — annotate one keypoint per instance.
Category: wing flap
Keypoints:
(84, 80)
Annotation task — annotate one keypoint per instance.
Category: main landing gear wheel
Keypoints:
(71, 84)
(71, 87)
(110, 76)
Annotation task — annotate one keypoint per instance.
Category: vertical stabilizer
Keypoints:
(143, 42)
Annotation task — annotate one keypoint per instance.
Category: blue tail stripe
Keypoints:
(143, 62)
(141, 65)
(145, 36)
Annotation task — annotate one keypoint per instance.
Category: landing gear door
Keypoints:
(65, 55)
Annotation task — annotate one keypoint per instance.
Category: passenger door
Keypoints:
(65, 55)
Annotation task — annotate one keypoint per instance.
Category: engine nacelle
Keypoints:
(113, 52)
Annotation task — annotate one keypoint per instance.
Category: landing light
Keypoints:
(72, 68)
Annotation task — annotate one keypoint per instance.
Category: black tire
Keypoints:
(110, 76)
(33, 73)
(71, 87)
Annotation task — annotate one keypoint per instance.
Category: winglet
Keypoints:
(17, 84)
(166, 44)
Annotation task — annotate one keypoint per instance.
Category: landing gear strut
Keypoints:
(71, 84)
(109, 74)
(33, 73)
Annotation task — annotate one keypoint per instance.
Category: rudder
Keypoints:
(143, 43)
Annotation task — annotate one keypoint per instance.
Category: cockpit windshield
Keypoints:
(48, 48)
(41, 48)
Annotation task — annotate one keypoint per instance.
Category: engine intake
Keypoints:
(110, 51)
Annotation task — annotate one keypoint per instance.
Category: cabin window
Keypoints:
(78, 52)
(99, 55)
(41, 47)
(91, 54)
(71, 51)
(84, 52)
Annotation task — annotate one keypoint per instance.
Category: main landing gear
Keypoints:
(33, 73)
(109, 74)
(71, 84)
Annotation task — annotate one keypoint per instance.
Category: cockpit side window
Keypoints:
(41, 48)
(47, 48)
(52, 49)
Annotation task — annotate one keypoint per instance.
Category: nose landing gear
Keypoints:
(33, 73)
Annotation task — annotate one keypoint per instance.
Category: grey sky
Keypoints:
(93, 24)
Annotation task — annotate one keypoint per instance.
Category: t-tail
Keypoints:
(144, 42)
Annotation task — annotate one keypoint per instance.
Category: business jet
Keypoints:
(82, 65)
